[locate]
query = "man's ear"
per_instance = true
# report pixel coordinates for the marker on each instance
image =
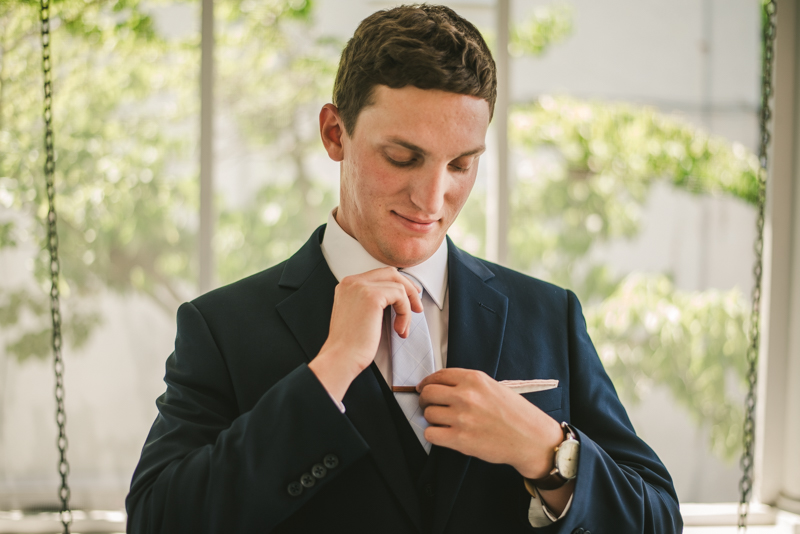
(331, 129)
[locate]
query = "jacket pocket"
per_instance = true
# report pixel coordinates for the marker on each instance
(547, 401)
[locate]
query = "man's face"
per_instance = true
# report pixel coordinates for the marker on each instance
(408, 170)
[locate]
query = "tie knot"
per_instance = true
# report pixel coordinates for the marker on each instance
(413, 279)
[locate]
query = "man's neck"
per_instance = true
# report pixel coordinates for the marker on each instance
(347, 257)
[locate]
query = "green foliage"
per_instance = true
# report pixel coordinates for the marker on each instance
(274, 75)
(125, 207)
(649, 333)
(590, 169)
(7, 235)
(124, 116)
(34, 340)
(268, 230)
(547, 26)
(639, 145)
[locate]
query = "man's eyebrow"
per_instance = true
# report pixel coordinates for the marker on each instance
(405, 144)
(477, 150)
(422, 151)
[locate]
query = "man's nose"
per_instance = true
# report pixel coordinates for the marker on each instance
(429, 189)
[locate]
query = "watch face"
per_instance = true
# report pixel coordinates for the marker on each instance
(567, 458)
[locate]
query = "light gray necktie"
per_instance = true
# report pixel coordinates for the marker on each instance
(412, 360)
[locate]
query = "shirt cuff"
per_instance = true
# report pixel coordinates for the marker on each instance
(539, 515)
(337, 403)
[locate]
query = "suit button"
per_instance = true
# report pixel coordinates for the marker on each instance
(295, 489)
(319, 471)
(578, 531)
(429, 490)
(307, 480)
(331, 461)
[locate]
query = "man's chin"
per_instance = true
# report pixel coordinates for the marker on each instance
(409, 254)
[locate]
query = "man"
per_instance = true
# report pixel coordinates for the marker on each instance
(291, 405)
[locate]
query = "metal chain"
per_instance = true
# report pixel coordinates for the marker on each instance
(55, 268)
(746, 483)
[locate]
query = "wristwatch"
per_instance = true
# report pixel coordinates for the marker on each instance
(565, 465)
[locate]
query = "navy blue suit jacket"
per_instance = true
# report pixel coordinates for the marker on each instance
(243, 417)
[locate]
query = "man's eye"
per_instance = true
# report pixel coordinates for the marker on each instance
(461, 166)
(397, 163)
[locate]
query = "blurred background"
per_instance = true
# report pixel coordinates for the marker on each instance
(631, 175)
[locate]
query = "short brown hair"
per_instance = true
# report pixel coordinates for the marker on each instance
(427, 46)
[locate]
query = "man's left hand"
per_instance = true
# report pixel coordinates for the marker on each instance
(475, 415)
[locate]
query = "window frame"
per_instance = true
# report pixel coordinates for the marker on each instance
(778, 407)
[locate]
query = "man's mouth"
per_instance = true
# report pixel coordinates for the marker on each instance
(415, 223)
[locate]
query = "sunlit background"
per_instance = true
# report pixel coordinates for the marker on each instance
(632, 127)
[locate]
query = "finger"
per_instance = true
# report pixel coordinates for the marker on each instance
(437, 394)
(397, 298)
(439, 415)
(402, 325)
(387, 273)
(403, 308)
(440, 435)
(392, 274)
(451, 376)
(413, 291)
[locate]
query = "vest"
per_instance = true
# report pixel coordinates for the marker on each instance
(421, 466)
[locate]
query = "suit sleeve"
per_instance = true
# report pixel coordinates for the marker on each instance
(206, 467)
(621, 485)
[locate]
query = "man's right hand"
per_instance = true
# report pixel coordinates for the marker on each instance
(356, 324)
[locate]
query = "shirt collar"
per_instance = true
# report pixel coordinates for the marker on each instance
(346, 257)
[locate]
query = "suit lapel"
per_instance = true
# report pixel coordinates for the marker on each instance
(307, 313)
(475, 336)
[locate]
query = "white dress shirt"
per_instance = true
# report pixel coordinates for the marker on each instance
(346, 257)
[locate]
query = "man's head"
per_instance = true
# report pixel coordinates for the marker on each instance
(426, 46)
(414, 96)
